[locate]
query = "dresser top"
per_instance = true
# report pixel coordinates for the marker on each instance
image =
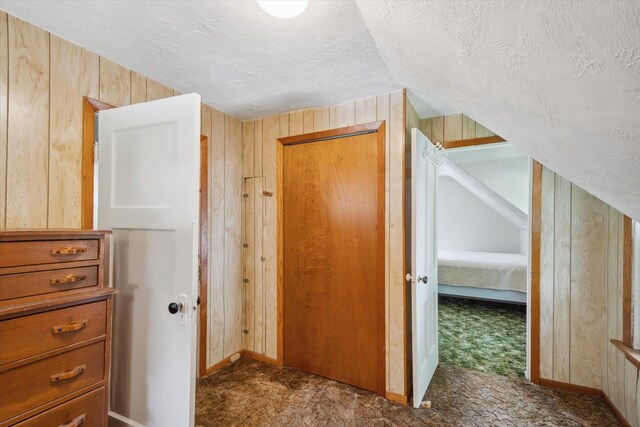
(50, 234)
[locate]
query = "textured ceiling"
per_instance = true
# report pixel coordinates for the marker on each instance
(558, 79)
(240, 59)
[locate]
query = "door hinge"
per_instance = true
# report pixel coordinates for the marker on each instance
(96, 151)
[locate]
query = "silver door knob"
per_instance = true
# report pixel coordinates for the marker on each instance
(423, 279)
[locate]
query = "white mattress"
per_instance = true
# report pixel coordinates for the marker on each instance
(483, 270)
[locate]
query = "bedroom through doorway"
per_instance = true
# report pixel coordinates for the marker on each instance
(483, 251)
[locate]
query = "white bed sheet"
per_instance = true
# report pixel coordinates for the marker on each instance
(483, 270)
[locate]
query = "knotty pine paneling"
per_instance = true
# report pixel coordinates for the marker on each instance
(562, 278)
(4, 84)
(28, 126)
(138, 88)
(157, 90)
(75, 73)
(40, 76)
(115, 83)
(232, 236)
(453, 127)
(262, 306)
(581, 294)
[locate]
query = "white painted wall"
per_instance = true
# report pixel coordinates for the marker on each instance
(503, 168)
(466, 223)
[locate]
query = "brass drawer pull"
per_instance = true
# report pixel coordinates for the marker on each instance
(60, 376)
(69, 278)
(68, 251)
(76, 421)
(73, 326)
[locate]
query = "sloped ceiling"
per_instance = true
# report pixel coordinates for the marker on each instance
(558, 79)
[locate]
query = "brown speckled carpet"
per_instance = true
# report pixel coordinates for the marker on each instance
(251, 393)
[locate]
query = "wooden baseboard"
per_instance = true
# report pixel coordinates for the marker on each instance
(571, 387)
(221, 364)
(587, 390)
(615, 411)
(395, 397)
(258, 356)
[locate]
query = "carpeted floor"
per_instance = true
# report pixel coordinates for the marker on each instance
(483, 336)
(251, 393)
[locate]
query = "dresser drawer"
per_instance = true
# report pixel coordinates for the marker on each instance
(44, 282)
(31, 335)
(89, 407)
(14, 254)
(37, 383)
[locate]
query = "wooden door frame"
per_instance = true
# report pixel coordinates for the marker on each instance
(536, 219)
(92, 106)
(375, 127)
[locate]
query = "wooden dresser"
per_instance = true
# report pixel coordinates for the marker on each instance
(55, 328)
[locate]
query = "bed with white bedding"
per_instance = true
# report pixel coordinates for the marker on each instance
(484, 275)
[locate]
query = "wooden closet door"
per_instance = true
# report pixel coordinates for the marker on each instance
(333, 259)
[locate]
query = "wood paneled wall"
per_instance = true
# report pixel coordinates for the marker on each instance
(581, 294)
(42, 81)
(259, 160)
(620, 378)
(453, 127)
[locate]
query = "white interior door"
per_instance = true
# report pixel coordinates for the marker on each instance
(148, 195)
(424, 263)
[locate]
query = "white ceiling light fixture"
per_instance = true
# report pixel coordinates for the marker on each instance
(283, 8)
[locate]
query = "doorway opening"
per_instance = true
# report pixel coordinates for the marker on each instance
(483, 206)
(475, 259)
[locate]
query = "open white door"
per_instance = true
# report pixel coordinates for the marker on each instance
(424, 263)
(148, 195)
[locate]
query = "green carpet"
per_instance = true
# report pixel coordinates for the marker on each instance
(483, 336)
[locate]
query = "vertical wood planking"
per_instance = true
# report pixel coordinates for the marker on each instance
(232, 237)
(259, 265)
(425, 127)
(248, 142)
(482, 132)
(546, 274)
(453, 127)
(271, 130)
(248, 267)
(345, 115)
(621, 359)
(205, 120)
(138, 88)
(28, 126)
(217, 259)
(257, 148)
(320, 119)
(562, 279)
(307, 120)
(74, 73)
(157, 90)
(396, 242)
(382, 113)
(468, 128)
(365, 110)
(588, 255)
(248, 231)
(115, 83)
(437, 129)
(630, 386)
(296, 123)
(611, 368)
(4, 81)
